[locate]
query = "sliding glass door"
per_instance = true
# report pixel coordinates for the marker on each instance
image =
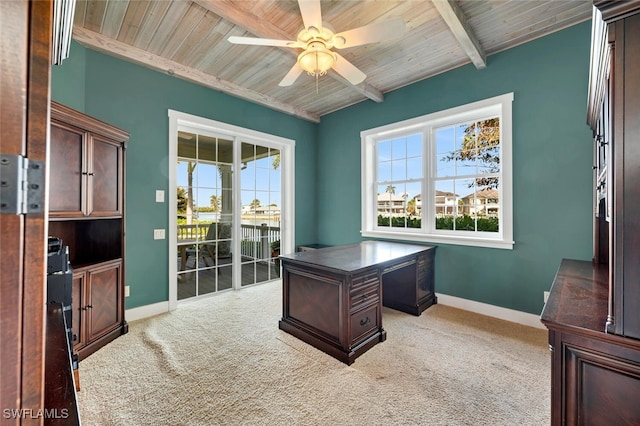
(231, 206)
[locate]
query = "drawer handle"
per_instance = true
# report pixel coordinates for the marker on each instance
(365, 321)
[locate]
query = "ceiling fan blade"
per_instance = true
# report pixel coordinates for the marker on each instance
(348, 70)
(264, 42)
(311, 13)
(291, 76)
(371, 33)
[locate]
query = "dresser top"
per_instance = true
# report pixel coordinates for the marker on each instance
(353, 257)
(578, 297)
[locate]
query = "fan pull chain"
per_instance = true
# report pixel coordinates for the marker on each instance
(317, 72)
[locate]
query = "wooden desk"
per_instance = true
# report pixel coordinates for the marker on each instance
(333, 297)
(307, 247)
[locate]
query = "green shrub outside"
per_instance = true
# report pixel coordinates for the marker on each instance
(462, 223)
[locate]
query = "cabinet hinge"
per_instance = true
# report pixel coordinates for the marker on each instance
(21, 185)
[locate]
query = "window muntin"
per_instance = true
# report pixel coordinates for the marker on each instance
(444, 177)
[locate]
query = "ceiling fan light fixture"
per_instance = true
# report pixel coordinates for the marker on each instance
(316, 60)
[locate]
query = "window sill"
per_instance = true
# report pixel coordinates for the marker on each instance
(441, 239)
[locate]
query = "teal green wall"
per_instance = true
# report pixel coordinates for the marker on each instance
(68, 79)
(552, 159)
(137, 99)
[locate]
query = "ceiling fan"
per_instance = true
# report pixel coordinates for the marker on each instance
(318, 41)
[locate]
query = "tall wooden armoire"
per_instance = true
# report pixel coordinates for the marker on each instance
(593, 310)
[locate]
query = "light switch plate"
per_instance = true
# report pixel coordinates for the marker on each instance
(159, 196)
(158, 234)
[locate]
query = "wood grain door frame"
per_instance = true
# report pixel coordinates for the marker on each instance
(25, 62)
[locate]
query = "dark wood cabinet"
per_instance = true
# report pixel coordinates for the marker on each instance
(86, 204)
(592, 312)
(595, 376)
(624, 39)
(91, 183)
(97, 292)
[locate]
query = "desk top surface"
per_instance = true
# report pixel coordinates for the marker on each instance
(353, 257)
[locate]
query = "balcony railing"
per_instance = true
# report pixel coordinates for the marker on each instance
(255, 240)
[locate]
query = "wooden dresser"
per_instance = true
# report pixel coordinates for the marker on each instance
(593, 309)
(595, 376)
(86, 210)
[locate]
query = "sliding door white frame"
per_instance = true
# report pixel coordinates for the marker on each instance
(182, 121)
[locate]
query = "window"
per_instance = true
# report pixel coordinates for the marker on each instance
(443, 177)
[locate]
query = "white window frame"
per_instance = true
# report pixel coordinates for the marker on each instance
(498, 106)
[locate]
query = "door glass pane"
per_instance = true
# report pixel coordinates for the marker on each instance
(261, 200)
(205, 214)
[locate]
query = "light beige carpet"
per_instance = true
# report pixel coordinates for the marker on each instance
(223, 360)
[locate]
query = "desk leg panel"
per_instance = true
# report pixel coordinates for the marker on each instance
(313, 304)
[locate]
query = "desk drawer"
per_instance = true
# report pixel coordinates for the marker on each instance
(365, 296)
(364, 322)
(364, 280)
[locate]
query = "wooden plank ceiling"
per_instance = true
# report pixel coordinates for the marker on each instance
(188, 39)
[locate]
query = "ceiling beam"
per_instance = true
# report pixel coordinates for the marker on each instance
(100, 43)
(457, 22)
(234, 13)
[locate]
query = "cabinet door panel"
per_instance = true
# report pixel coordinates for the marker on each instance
(602, 388)
(104, 295)
(66, 178)
(106, 172)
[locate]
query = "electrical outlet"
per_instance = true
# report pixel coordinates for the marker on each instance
(126, 291)
(159, 196)
(158, 234)
(546, 296)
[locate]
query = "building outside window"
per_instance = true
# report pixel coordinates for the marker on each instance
(443, 177)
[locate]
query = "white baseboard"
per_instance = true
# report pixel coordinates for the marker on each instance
(519, 317)
(146, 311)
(456, 302)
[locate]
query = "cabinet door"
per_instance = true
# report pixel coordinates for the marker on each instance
(105, 174)
(67, 180)
(105, 299)
(79, 309)
(602, 383)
